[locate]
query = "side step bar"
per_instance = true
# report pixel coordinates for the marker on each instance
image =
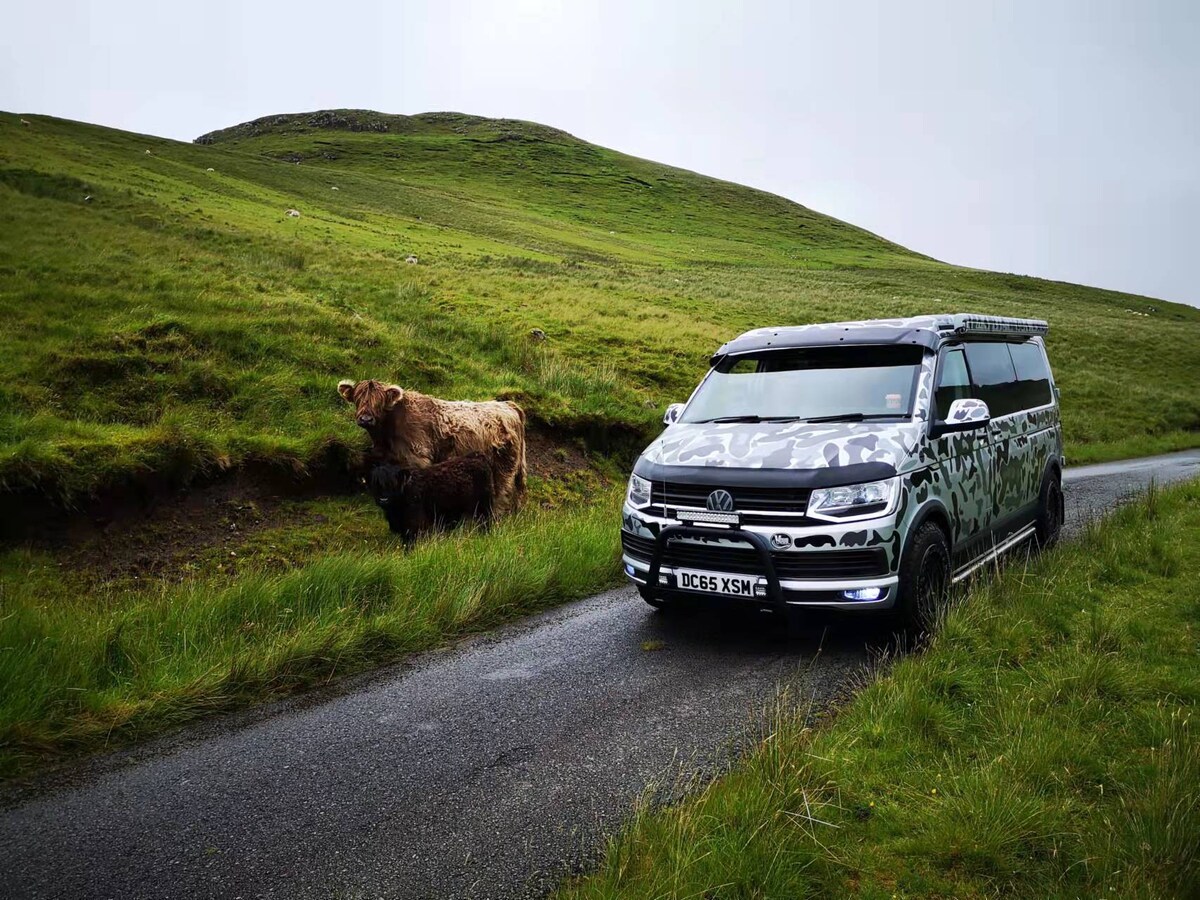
(1003, 547)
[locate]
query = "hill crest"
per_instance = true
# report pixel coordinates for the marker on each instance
(371, 121)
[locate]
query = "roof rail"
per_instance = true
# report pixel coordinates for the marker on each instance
(970, 323)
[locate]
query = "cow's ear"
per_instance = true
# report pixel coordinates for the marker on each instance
(392, 396)
(346, 389)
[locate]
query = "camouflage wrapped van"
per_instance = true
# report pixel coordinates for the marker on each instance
(858, 465)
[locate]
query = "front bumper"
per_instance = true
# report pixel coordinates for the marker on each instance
(770, 589)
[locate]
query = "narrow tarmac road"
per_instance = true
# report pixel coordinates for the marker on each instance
(489, 770)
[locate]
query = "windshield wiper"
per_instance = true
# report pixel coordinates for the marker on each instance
(841, 417)
(856, 417)
(721, 420)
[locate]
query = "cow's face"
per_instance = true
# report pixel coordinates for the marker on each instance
(372, 400)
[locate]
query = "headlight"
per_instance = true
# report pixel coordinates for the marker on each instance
(638, 494)
(854, 501)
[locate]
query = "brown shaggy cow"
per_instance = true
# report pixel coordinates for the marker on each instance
(440, 496)
(414, 431)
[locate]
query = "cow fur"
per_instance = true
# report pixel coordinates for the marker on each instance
(415, 431)
(443, 495)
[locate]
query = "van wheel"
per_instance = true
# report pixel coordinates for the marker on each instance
(924, 578)
(1051, 507)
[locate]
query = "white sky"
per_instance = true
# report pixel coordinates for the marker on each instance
(1059, 139)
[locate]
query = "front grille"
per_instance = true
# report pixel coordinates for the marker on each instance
(673, 493)
(865, 563)
(640, 547)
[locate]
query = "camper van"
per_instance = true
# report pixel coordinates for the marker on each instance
(855, 465)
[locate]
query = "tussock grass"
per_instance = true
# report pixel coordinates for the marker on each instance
(1043, 745)
(82, 670)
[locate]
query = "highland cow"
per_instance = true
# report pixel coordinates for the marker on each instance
(413, 431)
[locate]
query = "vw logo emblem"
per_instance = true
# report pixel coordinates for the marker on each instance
(720, 501)
(780, 541)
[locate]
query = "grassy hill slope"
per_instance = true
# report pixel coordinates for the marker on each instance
(164, 317)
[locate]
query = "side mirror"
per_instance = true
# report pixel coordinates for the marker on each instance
(674, 411)
(965, 415)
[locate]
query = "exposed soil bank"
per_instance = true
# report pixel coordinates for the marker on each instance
(153, 529)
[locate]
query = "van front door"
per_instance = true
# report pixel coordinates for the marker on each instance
(993, 379)
(967, 460)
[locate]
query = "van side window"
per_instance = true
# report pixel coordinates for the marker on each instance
(994, 377)
(953, 383)
(1033, 375)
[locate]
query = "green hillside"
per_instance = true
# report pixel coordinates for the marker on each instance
(542, 191)
(162, 319)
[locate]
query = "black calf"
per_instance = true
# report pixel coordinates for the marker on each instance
(441, 496)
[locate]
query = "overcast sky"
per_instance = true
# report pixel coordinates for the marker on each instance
(1059, 139)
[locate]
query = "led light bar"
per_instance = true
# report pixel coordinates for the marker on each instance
(707, 516)
(966, 323)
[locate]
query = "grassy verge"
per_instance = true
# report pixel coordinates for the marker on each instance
(1043, 746)
(83, 669)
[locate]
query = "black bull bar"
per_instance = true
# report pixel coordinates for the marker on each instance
(757, 541)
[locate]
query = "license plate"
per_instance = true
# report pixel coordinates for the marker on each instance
(715, 582)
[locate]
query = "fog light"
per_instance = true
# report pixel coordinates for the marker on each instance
(628, 569)
(863, 594)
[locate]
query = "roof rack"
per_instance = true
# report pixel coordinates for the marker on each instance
(924, 331)
(970, 323)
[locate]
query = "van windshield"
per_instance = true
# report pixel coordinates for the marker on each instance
(810, 384)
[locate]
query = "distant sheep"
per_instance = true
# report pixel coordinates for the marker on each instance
(411, 260)
(210, 169)
(334, 188)
(293, 213)
(24, 121)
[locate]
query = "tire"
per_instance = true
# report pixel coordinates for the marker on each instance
(924, 578)
(1051, 510)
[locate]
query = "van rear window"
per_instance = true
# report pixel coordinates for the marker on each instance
(1033, 375)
